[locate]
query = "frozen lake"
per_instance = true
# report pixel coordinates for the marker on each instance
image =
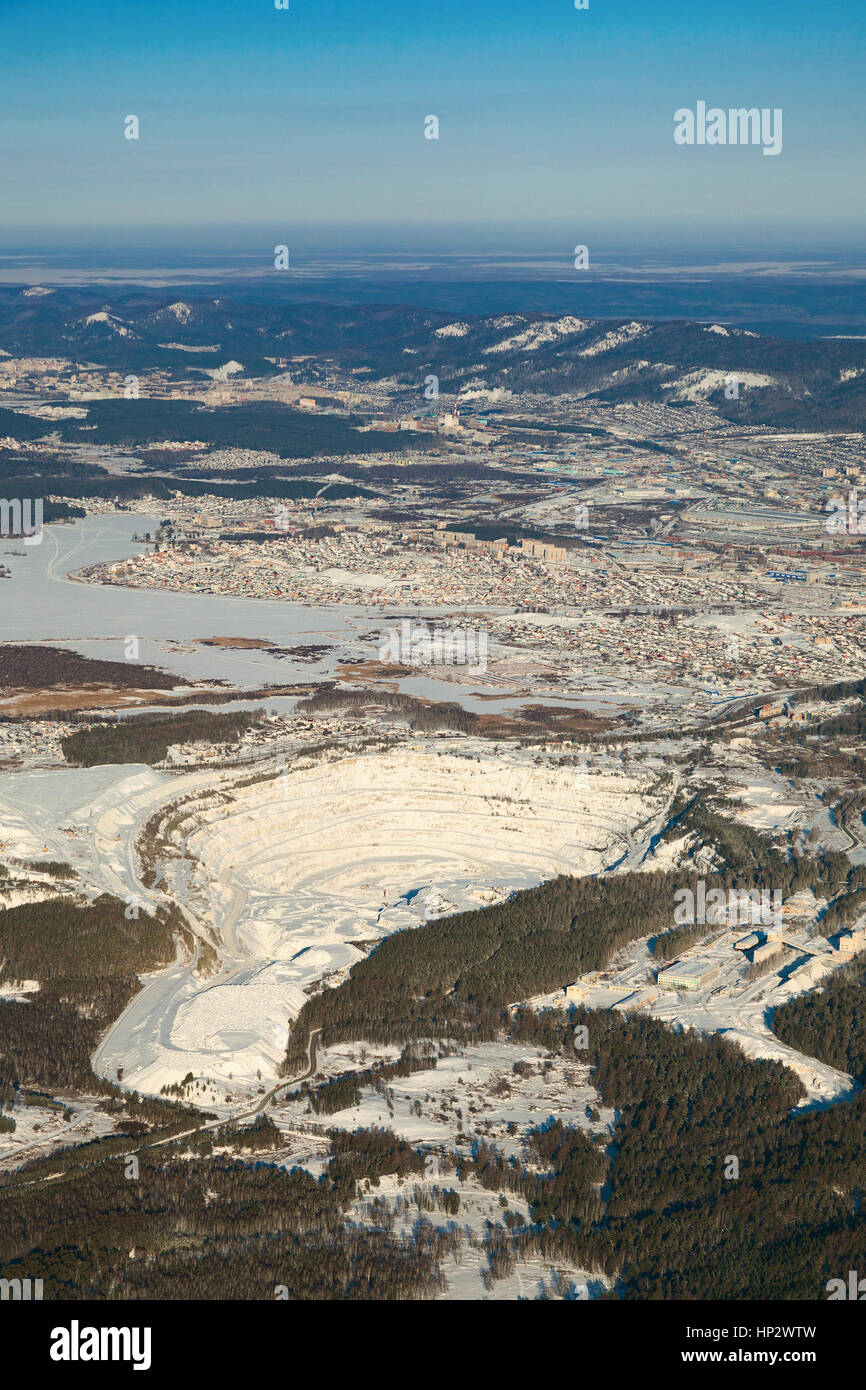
(43, 605)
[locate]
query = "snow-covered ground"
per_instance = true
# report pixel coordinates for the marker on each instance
(540, 335)
(298, 875)
(41, 1129)
(88, 818)
(291, 879)
(472, 1093)
(464, 1270)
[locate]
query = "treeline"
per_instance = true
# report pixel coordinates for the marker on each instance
(530, 722)
(847, 908)
(147, 738)
(41, 668)
(268, 426)
(679, 1219)
(851, 723)
(427, 718)
(560, 1179)
(127, 488)
(262, 1134)
(160, 1120)
(87, 961)
(344, 1090)
(829, 1023)
(132, 488)
(55, 868)
(369, 1154)
(209, 1228)
(750, 860)
(48, 1042)
(69, 948)
(15, 463)
(816, 760)
(672, 943)
(832, 690)
(196, 697)
(12, 485)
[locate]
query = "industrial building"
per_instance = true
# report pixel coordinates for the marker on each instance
(850, 943)
(748, 943)
(767, 952)
(689, 974)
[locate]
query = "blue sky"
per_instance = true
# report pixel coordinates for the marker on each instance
(553, 122)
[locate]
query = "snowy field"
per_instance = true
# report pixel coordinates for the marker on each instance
(472, 1093)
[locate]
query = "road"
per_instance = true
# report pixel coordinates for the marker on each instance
(223, 1123)
(236, 1119)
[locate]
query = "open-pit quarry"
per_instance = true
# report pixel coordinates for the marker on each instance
(293, 877)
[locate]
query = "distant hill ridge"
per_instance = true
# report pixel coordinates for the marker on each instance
(818, 384)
